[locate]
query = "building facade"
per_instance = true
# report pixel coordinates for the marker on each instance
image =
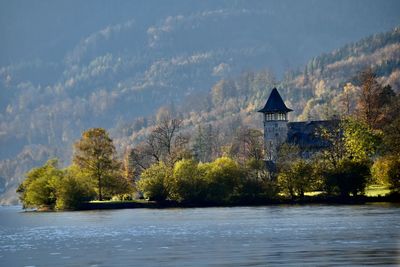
(278, 130)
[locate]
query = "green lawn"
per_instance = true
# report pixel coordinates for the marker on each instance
(376, 190)
(370, 191)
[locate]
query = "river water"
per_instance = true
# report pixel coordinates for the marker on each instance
(311, 235)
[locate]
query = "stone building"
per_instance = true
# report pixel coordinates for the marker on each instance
(278, 130)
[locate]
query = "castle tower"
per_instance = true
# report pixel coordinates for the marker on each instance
(275, 124)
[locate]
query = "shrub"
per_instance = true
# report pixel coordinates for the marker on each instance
(296, 179)
(72, 192)
(223, 177)
(348, 177)
(153, 182)
(39, 187)
(187, 182)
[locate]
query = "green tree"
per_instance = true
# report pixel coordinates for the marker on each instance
(391, 137)
(379, 170)
(153, 181)
(296, 179)
(95, 154)
(348, 177)
(223, 177)
(336, 149)
(394, 175)
(360, 141)
(187, 182)
(39, 189)
(74, 189)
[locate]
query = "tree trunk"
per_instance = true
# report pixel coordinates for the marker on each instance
(99, 185)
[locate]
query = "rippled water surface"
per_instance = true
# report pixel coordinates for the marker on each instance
(247, 236)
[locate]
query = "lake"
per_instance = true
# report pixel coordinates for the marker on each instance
(296, 235)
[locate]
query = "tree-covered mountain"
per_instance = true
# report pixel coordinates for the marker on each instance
(113, 65)
(315, 92)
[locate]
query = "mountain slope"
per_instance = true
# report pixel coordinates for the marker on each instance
(109, 65)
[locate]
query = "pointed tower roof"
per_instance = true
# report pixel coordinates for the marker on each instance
(275, 103)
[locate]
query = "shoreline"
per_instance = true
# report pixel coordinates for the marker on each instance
(308, 200)
(361, 200)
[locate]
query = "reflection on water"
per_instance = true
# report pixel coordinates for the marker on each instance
(249, 236)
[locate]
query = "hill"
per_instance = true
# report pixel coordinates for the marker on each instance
(118, 68)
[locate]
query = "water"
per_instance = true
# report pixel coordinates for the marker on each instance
(248, 236)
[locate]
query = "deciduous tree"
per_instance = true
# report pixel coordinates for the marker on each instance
(95, 154)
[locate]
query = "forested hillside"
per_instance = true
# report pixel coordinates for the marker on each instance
(315, 92)
(211, 64)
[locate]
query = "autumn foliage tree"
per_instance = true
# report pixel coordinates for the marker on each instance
(374, 100)
(95, 154)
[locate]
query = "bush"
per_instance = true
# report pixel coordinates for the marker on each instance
(223, 177)
(348, 177)
(40, 186)
(187, 182)
(153, 182)
(72, 192)
(296, 179)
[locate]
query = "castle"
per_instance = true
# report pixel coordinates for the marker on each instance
(278, 130)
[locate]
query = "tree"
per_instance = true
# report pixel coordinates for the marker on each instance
(223, 177)
(360, 141)
(141, 157)
(347, 177)
(39, 189)
(128, 166)
(287, 153)
(248, 144)
(165, 143)
(153, 182)
(187, 183)
(348, 98)
(335, 150)
(296, 179)
(394, 176)
(203, 142)
(223, 90)
(391, 137)
(374, 100)
(51, 188)
(74, 189)
(95, 154)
